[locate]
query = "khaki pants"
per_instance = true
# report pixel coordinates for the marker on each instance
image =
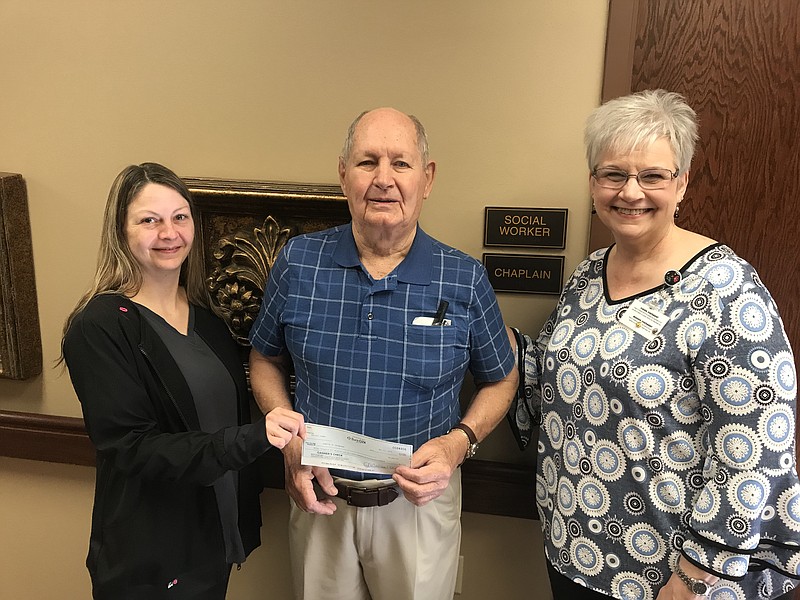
(393, 552)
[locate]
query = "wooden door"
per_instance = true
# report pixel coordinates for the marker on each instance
(737, 62)
(738, 65)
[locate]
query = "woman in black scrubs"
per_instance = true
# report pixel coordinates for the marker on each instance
(166, 405)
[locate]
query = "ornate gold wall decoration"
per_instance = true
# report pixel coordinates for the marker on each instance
(243, 226)
(243, 263)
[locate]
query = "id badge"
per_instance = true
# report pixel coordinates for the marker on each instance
(644, 320)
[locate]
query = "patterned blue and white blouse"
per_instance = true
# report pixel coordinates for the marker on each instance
(679, 443)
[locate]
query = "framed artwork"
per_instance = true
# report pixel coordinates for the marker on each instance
(243, 226)
(20, 336)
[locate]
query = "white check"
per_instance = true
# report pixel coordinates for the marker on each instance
(336, 448)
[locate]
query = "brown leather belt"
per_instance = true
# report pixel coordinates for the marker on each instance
(364, 497)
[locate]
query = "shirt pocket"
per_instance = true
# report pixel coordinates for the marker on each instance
(431, 354)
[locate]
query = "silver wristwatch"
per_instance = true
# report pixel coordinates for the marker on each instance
(696, 586)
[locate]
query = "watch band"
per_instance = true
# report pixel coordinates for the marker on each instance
(697, 586)
(472, 439)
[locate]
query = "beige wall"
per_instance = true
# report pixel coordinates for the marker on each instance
(259, 89)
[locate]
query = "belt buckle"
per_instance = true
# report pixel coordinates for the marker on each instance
(355, 492)
(364, 497)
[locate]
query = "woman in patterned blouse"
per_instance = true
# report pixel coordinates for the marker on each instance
(666, 388)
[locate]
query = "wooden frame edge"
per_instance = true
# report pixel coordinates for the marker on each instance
(620, 47)
(20, 333)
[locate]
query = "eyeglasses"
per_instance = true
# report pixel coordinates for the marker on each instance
(649, 179)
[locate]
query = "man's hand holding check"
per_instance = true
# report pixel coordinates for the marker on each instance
(422, 476)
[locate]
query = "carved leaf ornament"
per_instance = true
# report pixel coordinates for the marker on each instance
(242, 266)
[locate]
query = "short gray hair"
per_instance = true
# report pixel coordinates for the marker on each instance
(624, 124)
(422, 137)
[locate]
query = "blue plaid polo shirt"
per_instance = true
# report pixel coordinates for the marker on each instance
(360, 362)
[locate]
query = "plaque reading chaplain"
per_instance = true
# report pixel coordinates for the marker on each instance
(526, 227)
(525, 273)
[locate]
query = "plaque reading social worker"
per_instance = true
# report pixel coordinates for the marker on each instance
(525, 273)
(526, 227)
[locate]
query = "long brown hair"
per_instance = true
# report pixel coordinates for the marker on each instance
(117, 270)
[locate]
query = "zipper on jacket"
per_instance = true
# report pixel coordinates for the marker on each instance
(166, 389)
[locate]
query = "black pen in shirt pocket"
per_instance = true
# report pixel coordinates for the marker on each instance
(438, 319)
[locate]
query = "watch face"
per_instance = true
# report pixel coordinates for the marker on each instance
(700, 588)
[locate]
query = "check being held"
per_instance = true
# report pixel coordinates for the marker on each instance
(336, 448)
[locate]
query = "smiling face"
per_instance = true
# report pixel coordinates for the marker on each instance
(634, 214)
(159, 230)
(384, 177)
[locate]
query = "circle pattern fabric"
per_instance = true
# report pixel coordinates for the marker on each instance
(681, 443)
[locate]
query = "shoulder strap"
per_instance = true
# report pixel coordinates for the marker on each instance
(521, 432)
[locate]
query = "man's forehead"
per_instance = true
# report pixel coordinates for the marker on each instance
(386, 114)
(388, 122)
(385, 132)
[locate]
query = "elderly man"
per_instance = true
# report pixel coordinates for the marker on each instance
(381, 322)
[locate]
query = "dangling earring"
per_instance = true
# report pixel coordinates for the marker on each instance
(677, 209)
(594, 209)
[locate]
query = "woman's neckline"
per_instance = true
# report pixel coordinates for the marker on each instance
(682, 270)
(161, 319)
